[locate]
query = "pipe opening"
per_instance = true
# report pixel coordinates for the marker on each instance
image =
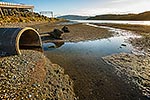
(30, 40)
(13, 40)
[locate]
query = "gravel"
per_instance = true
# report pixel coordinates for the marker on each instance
(32, 76)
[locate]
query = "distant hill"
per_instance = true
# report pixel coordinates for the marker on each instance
(140, 16)
(73, 17)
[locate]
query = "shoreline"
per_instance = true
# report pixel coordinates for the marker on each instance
(81, 32)
(134, 68)
(135, 65)
(139, 29)
(78, 32)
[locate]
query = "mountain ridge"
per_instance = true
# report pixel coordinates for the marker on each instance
(145, 16)
(74, 17)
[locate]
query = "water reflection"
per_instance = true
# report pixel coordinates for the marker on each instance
(58, 44)
(53, 45)
(102, 47)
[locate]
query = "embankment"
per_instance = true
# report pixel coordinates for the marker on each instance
(32, 76)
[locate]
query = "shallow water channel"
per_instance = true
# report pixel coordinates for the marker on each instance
(93, 78)
(102, 47)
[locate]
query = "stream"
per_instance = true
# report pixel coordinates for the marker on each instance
(101, 47)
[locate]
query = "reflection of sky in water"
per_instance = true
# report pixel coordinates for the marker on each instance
(97, 47)
(101, 47)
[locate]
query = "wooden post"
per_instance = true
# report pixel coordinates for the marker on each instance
(52, 14)
(1, 12)
(32, 11)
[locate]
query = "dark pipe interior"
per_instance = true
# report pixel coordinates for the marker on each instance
(30, 40)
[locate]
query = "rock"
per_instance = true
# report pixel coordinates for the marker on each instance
(123, 45)
(56, 33)
(65, 29)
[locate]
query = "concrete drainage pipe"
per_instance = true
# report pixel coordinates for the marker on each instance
(12, 40)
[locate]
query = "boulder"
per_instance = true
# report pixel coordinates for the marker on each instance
(56, 33)
(65, 29)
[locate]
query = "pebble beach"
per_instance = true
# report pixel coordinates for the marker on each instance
(32, 76)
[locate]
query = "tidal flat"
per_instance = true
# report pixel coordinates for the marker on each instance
(83, 61)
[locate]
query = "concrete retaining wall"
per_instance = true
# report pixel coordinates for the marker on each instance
(12, 40)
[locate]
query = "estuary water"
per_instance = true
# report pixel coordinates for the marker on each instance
(113, 21)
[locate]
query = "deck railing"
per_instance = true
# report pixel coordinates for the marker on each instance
(14, 5)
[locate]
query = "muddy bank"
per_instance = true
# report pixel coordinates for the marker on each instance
(136, 28)
(82, 32)
(32, 76)
(93, 78)
(78, 32)
(134, 66)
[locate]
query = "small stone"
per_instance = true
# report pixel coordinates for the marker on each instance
(123, 45)
(29, 95)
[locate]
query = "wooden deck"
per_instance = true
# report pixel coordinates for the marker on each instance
(13, 5)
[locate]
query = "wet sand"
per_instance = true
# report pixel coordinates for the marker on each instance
(94, 80)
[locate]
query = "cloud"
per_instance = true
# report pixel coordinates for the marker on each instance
(111, 7)
(127, 6)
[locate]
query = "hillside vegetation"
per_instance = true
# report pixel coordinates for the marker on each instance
(145, 16)
(25, 16)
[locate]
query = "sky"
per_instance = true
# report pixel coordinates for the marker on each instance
(87, 7)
